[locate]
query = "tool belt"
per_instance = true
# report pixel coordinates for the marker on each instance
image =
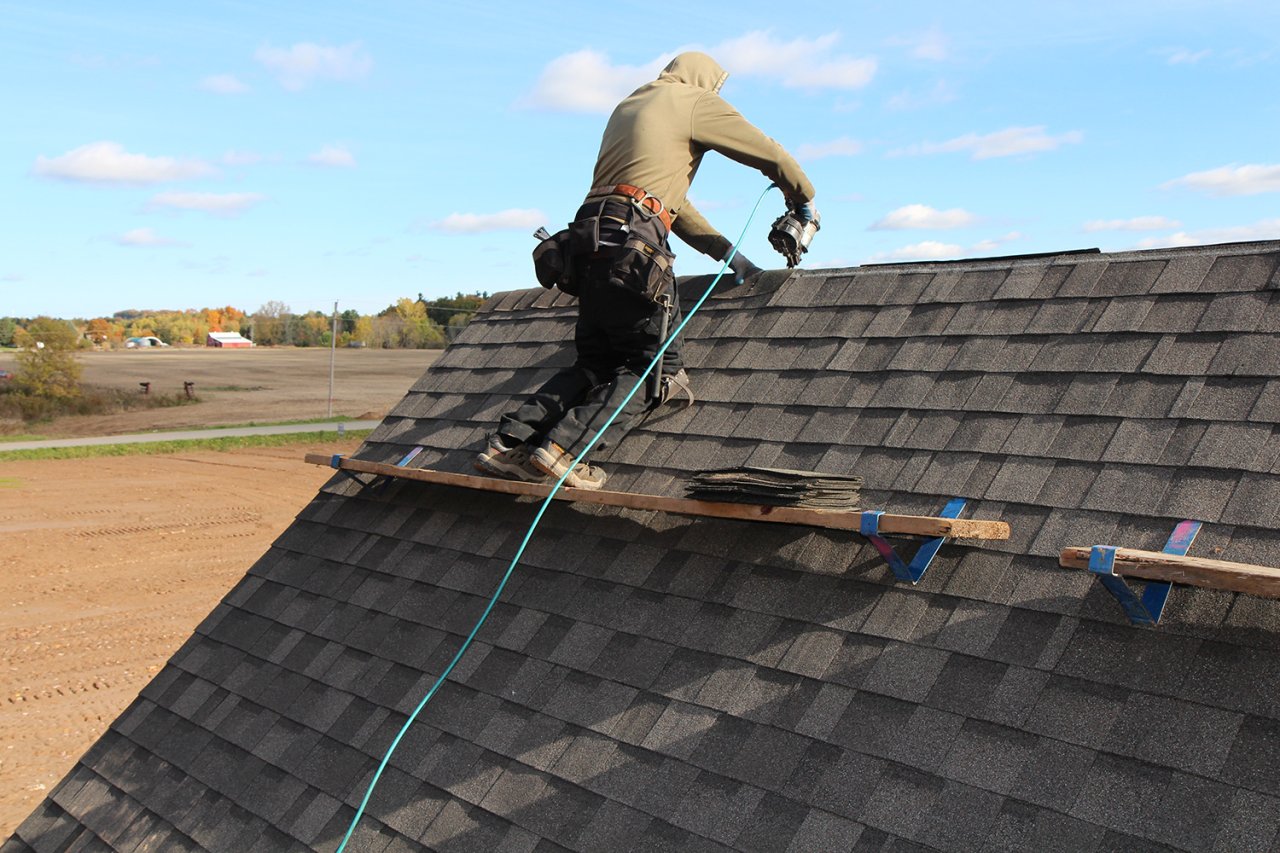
(639, 197)
(630, 233)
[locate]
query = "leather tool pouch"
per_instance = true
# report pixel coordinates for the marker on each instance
(551, 263)
(643, 268)
(634, 241)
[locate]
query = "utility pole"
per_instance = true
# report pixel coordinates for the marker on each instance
(333, 349)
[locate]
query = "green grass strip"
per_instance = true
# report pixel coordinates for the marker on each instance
(10, 483)
(303, 421)
(153, 448)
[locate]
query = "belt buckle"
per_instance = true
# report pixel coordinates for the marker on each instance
(649, 205)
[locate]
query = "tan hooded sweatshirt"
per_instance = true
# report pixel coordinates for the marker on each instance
(656, 137)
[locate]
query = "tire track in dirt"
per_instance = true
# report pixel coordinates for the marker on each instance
(134, 553)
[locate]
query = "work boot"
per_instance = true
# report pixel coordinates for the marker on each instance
(553, 460)
(511, 462)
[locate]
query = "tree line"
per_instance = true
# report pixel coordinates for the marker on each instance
(408, 324)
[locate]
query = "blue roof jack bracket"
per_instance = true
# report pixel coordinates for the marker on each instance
(1147, 609)
(409, 457)
(910, 572)
(378, 481)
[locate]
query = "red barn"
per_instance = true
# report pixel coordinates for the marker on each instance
(232, 340)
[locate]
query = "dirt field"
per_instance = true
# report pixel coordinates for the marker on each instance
(237, 386)
(108, 564)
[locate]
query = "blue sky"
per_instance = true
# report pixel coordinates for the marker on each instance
(161, 155)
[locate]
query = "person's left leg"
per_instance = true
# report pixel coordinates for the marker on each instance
(633, 325)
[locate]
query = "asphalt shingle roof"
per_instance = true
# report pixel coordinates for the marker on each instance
(657, 682)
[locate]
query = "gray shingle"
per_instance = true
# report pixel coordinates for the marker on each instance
(1021, 826)
(1234, 312)
(825, 831)
(903, 801)
(962, 819)
(1124, 314)
(1082, 278)
(1127, 488)
(1255, 500)
(1139, 440)
(1128, 278)
(1254, 753)
(1023, 281)
(1169, 732)
(989, 756)
(1240, 272)
(1176, 313)
(1226, 445)
(1033, 435)
(1125, 353)
(1113, 654)
(1121, 793)
(1251, 823)
(1009, 318)
(905, 671)
(1184, 273)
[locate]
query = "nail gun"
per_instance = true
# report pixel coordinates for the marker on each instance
(791, 234)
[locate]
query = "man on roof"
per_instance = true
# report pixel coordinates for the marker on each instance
(616, 259)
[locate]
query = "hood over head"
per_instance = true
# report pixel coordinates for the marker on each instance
(696, 69)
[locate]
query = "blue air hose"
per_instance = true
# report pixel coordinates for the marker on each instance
(538, 518)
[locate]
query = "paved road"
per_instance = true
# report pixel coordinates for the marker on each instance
(141, 438)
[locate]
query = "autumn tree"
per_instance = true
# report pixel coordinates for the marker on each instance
(100, 330)
(47, 365)
(271, 323)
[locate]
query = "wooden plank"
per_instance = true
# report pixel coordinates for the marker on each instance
(916, 525)
(1196, 571)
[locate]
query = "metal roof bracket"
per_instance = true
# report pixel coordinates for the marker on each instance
(910, 572)
(378, 480)
(1147, 609)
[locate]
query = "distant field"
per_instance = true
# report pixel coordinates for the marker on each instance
(239, 386)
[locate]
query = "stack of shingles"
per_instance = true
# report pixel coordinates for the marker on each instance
(777, 487)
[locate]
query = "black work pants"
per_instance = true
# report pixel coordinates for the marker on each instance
(618, 333)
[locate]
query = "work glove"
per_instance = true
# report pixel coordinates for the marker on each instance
(743, 269)
(807, 211)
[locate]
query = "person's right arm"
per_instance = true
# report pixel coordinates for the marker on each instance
(719, 127)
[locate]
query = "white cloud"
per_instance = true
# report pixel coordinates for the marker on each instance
(108, 163)
(929, 250)
(985, 246)
(241, 158)
(145, 238)
(921, 216)
(220, 204)
(842, 147)
(223, 84)
(799, 63)
(933, 250)
(1002, 143)
(1182, 56)
(942, 92)
(1250, 179)
(932, 45)
(11, 276)
(1137, 223)
(588, 81)
(333, 156)
(298, 66)
(1266, 229)
(514, 219)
